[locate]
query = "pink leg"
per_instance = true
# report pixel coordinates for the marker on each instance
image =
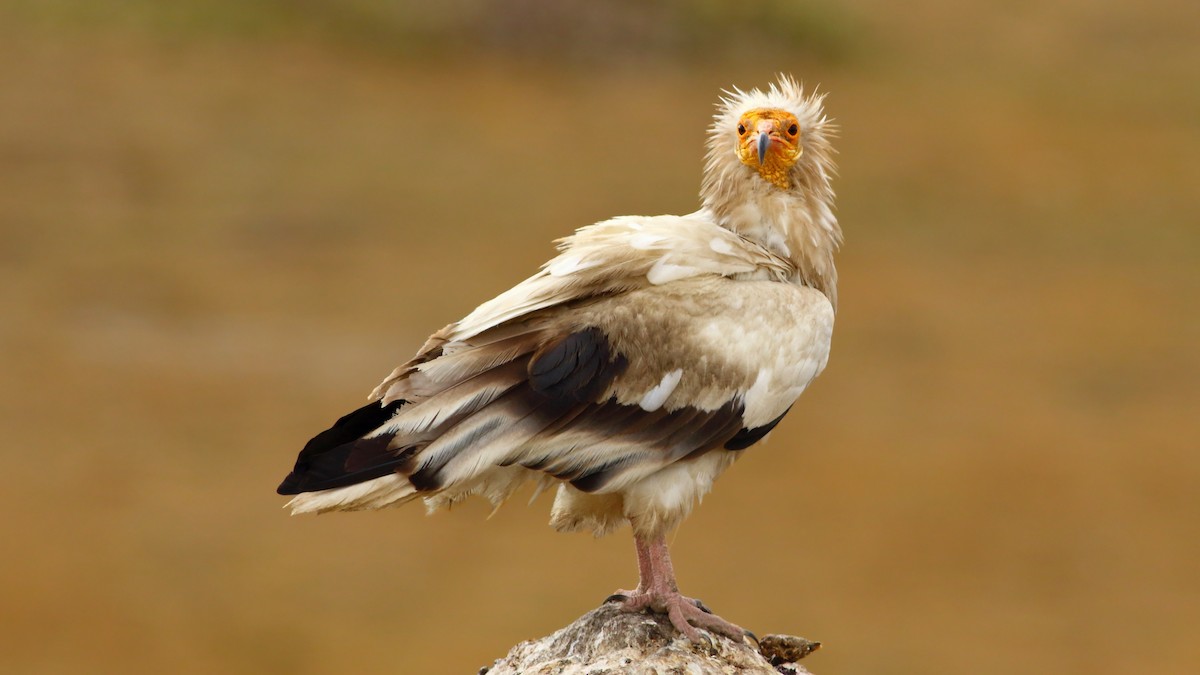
(658, 592)
(645, 571)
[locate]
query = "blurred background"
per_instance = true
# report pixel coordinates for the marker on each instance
(223, 222)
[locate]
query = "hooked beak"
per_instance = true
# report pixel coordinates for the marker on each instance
(764, 140)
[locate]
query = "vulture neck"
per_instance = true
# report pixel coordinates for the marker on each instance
(796, 224)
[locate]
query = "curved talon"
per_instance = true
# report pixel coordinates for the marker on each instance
(616, 597)
(710, 642)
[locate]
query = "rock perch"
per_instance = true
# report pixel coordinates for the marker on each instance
(608, 641)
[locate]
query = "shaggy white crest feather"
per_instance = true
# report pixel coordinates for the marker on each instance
(796, 224)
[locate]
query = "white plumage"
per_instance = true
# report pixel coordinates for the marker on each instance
(632, 369)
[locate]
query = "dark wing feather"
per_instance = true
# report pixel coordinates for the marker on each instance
(577, 368)
(748, 437)
(340, 456)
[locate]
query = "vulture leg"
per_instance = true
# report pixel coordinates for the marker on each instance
(658, 592)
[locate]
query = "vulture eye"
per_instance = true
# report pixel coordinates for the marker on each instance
(792, 130)
(741, 129)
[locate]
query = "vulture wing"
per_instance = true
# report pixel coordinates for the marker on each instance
(644, 343)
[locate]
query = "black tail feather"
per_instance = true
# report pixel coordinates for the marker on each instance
(340, 456)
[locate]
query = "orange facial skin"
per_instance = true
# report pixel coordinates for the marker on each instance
(769, 141)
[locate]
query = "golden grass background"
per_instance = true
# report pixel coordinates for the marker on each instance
(222, 223)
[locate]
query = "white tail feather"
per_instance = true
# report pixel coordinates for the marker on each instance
(390, 490)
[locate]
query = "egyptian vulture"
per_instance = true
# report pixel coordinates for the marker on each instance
(632, 369)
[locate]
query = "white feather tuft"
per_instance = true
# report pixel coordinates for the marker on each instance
(656, 397)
